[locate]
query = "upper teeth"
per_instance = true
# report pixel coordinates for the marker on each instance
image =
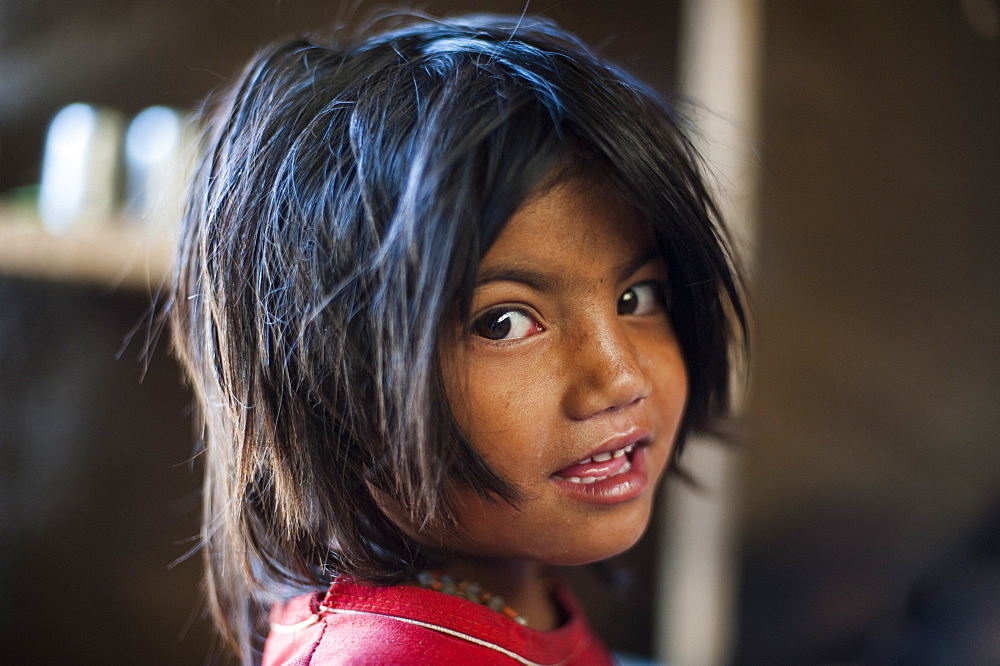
(602, 457)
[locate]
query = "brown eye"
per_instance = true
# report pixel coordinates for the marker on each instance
(642, 299)
(505, 324)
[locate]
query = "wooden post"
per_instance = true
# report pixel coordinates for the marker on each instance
(696, 623)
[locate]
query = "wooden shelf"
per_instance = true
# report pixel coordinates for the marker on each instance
(113, 255)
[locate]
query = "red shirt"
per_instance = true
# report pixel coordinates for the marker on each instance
(361, 624)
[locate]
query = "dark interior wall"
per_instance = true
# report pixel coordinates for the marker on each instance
(873, 478)
(97, 488)
(129, 54)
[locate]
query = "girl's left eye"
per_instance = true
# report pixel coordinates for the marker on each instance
(505, 324)
(645, 298)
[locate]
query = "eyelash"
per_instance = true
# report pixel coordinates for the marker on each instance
(489, 322)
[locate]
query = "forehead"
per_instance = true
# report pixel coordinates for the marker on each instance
(572, 221)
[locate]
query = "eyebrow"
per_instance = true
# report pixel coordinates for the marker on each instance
(628, 268)
(548, 282)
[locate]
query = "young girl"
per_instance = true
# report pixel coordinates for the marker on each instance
(450, 299)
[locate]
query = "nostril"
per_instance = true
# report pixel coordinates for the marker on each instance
(626, 405)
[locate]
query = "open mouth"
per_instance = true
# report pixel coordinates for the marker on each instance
(599, 467)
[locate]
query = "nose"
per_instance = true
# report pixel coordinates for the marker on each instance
(606, 371)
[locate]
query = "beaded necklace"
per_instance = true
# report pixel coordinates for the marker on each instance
(435, 580)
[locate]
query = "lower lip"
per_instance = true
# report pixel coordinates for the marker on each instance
(614, 489)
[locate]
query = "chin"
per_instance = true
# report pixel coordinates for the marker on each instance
(589, 549)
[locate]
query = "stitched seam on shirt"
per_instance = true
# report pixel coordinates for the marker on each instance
(423, 610)
(319, 639)
(453, 633)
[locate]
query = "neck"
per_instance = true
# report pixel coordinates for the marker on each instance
(521, 583)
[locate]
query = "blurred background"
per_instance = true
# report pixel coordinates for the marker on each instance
(864, 510)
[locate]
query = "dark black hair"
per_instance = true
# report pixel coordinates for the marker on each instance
(345, 198)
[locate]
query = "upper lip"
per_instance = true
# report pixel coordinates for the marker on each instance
(635, 435)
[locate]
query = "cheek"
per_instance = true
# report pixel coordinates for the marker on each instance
(669, 378)
(502, 406)
(670, 382)
(664, 364)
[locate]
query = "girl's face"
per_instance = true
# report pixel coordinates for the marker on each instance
(568, 379)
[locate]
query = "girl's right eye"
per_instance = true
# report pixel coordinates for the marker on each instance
(505, 324)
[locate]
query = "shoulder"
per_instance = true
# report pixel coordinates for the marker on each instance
(306, 633)
(365, 625)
